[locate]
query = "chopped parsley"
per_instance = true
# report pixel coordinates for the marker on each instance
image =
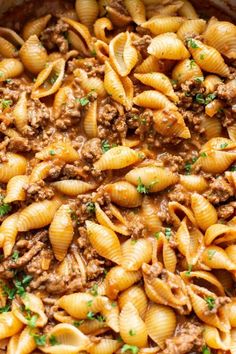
(113, 304)
(203, 154)
(206, 350)
(157, 235)
(192, 63)
(132, 332)
(210, 302)
(32, 320)
(211, 254)
(188, 165)
(205, 100)
(6, 103)
(188, 272)
(89, 303)
(223, 146)
(233, 169)
(199, 79)
(90, 315)
(53, 340)
(94, 290)
(192, 43)
(100, 318)
(168, 232)
(200, 98)
(132, 348)
(19, 287)
(5, 308)
(84, 101)
(78, 323)
(133, 242)
(52, 152)
(1, 74)
(15, 255)
(8, 81)
(40, 340)
(141, 188)
(4, 209)
(105, 146)
(90, 207)
(210, 97)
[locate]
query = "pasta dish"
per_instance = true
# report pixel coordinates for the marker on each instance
(118, 178)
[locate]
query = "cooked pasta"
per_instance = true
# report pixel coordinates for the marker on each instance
(117, 173)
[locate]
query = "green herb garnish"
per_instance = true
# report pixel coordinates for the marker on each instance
(223, 146)
(203, 154)
(52, 152)
(132, 348)
(206, 350)
(90, 207)
(168, 232)
(53, 340)
(5, 308)
(188, 272)
(200, 98)
(40, 340)
(94, 290)
(90, 315)
(105, 146)
(210, 302)
(132, 332)
(15, 255)
(192, 43)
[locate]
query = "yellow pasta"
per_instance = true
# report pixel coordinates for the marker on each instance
(203, 210)
(150, 64)
(102, 50)
(170, 123)
(61, 232)
(124, 194)
(216, 339)
(135, 253)
(105, 241)
(83, 37)
(194, 183)
(22, 343)
(153, 99)
(104, 220)
(153, 178)
(89, 84)
(16, 188)
(212, 127)
(38, 214)
(187, 10)
(87, 11)
(116, 158)
(9, 229)
(132, 328)
(35, 27)
(159, 25)
(90, 121)
(211, 82)
(186, 70)
(105, 346)
(136, 10)
(150, 216)
(10, 68)
(161, 322)
(178, 212)
(14, 166)
(7, 49)
(101, 26)
(61, 97)
(191, 28)
(137, 297)
(216, 258)
(20, 114)
(33, 55)
(73, 187)
(9, 325)
(208, 58)
(160, 82)
(40, 171)
(168, 46)
(58, 150)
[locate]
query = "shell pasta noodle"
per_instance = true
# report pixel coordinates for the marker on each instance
(117, 177)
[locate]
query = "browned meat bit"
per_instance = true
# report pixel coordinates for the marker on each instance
(55, 36)
(39, 191)
(94, 268)
(120, 126)
(41, 261)
(173, 162)
(19, 144)
(188, 337)
(163, 212)
(142, 43)
(226, 211)
(179, 194)
(228, 117)
(227, 91)
(91, 150)
(216, 304)
(38, 113)
(71, 171)
(106, 112)
(219, 191)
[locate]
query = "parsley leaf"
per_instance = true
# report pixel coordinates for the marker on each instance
(53, 340)
(210, 97)
(52, 152)
(94, 290)
(4, 207)
(203, 154)
(100, 318)
(53, 79)
(188, 272)
(223, 146)
(89, 303)
(192, 63)
(40, 340)
(93, 53)
(90, 207)
(132, 348)
(15, 255)
(6, 103)
(168, 232)
(5, 308)
(200, 98)
(199, 79)
(83, 101)
(206, 350)
(32, 320)
(202, 56)
(78, 323)
(157, 235)
(141, 187)
(210, 302)
(233, 169)
(105, 146)
(192, 43)
(132, 332)
(90, 315)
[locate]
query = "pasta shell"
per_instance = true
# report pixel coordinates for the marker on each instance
(186, 70)
(76, 304)
(136, 10)
(216, 258)
(22, 343)
(105, 346)
(34, 304)
(7, 49)
(117, 18)
(150, 215)
(73, 187)
(176, 209)
(215, 161)
(191, 28)
(49, 79)
(133, 330)
(154, 178)
(153, 99)
(116, 158)
(15, 189)
(90, 121)
(70, 339)
(87, 11)
(221, 35)
(160, 25)
(153, 9)
(15, 165)
(105, 241)
(61, 232)
(61, 97)
(212, 127)
(171, 123)
(35, 26)
(11, 36)
(194, 183)
(119, 88)
(161, 322)
(150, 64)
(38, 214)
(60, 150)
(33, 55)
(124, 194)
(211, 82)
(89, 84)
(10, 68)
(216, 230)
(232, 132)
(101, 26)
(20, 114)
(78, 44)
(8, 228)
(187, 10)
(203, 210)
(168, 46)
(230, 251)
(232, 313)
(135, 253)
(119, 279)
(136, 295)
(160, 82)
(213, 107)
(208, 58)
(40, 171)
(216, 340)
(81, 31)
(104, 220)
(9, 325)
(102, 50)
(123, 56)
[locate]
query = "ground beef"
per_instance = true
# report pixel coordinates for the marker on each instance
(19, 144)
(219, 191)
(94, 268)
(107, 112)
(174, 163)
(218, 303)
(179, 194)
(142, 43)
(91, 150)
(226, 211)
(187, 338)
(35, 266)
(163, 212)
(227, 91)
(55, 37)
(39, 191)
(38, 114)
